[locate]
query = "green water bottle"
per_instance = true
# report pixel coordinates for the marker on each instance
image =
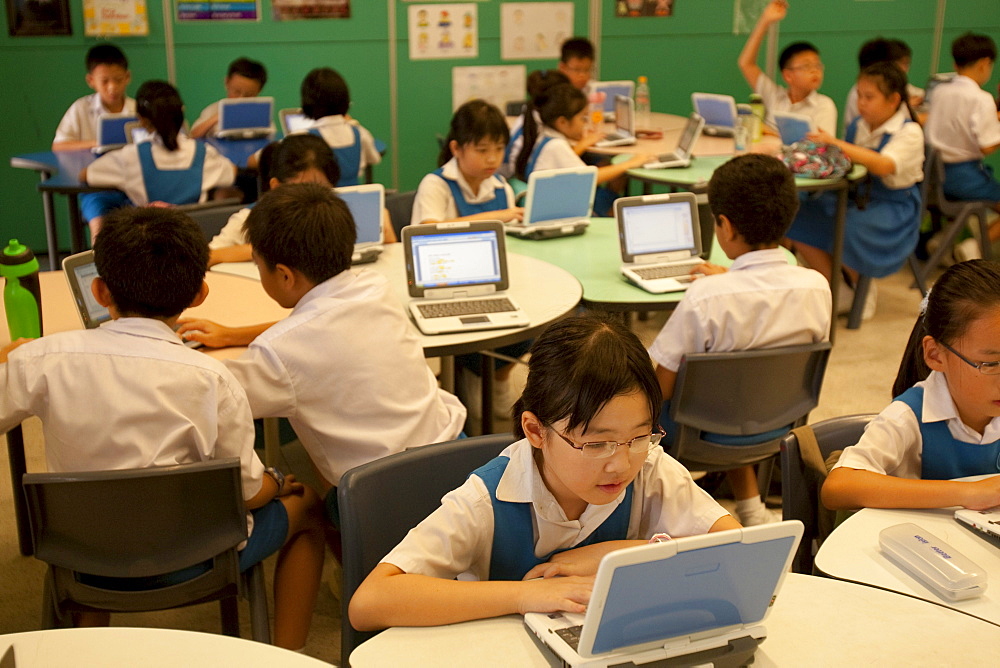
(22, 297)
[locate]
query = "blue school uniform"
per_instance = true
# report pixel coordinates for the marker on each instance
(465, 208)
(176, 186)
(970, 180)
(348, 158)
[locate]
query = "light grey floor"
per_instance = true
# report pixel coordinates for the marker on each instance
(862, 368)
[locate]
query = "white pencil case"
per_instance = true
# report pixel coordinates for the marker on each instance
(939, 566)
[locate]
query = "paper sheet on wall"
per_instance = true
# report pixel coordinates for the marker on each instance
(443, 31)
(534, 30)
(497, 84)
(115, 17)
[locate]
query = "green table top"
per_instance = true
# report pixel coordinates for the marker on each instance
(696, 176)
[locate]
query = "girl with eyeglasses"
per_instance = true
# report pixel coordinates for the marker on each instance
(587, 477)
(945, 420)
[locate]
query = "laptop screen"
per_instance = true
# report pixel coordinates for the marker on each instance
(658, 228)
(689, 137)
(558, 196)
(612, 89)
(458, 258)
(623, 115)
(366, 209)
(245, 114)
(716, 111)
(296, 122)
(112, 130)
(84, 275)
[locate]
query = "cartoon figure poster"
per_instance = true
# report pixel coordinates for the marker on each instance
(633, 8)
(497, 84)
(534, 30)
(443, 31)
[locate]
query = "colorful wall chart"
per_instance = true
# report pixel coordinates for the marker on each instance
(443, 31)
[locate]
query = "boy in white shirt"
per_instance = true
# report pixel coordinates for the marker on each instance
(245, 78)
(108, 76)
(760, 302)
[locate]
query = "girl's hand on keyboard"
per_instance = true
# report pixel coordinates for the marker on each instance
(708, 269)
(570, 594)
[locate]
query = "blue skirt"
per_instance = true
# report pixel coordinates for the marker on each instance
(970, 180)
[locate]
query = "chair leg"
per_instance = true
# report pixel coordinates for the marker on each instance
(918, 276)
(858, 306)
(765, 471)
(260, 624)
(51, 617)
(229, 609)
(985, 245)
(946, 245)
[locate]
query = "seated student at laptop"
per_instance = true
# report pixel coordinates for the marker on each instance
(131, 395)
(344, 367)
(587, 477)
(761, 302)
(944, 422)
(170, 169)
(245, 78)
(563, 112)
(108, 75)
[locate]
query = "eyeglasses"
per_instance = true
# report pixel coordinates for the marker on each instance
(602, 449)
(985, 368)
(809, 67)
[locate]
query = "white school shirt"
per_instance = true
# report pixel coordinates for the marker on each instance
(337, 132)
(128, 394)
(79, 123)
(851, 106)
(905, 147)
(434, 199)
(347, 370)
(557, 153)
(458, 537)
(892, 444)
(232, 232)
(962, 120)
(816, 106)
(761, 302)
(121, 169)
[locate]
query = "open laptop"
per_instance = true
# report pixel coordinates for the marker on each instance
(245, 117)
(293, 120)
(611, 90)
(719, 112)
(986, 521)
(660, 240)
(703, 598)
(624, 133)
(80, 272)
(681, 156)
(111, 132)
(366, 203)
(793, 127)
(136, 134)
(457, 276)
(558, 203)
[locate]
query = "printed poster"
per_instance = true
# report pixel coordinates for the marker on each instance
(534, 30)
(633, 8)
(292, 10)
(249, 10)
(443, 31)
(115, 17)
(497, 84)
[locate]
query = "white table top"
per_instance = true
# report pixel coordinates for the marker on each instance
(851, 553)
(114, 647)
(815, 622)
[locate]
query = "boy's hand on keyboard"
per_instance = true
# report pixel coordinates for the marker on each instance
(555, 595)
(206, 332)
(579, 561)
(708, 269)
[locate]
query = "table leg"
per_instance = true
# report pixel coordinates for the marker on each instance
(18, 467)
(448, 380)
(839, 223)
(75, 224)
(486, 369)
(51, 234)
(272, 442)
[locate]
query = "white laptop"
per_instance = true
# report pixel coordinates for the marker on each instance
(457, 276)
(611, 90)
(699, 599)
(366, 203)
(245, 117)
(293, 120)
(660, 240)
(136, 134)
(111, 132)
(80, 272)
(624, 133)
(558, 203)
(681, 156)
(986, 521)
(793, 127)
(719, 112)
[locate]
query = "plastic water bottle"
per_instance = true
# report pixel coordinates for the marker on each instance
(642, 106)
(22, 297)
(742, 136)
(757, 106)
(596, 101)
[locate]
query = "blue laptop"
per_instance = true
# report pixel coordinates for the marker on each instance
(719, 112)
(366, 203)
(558, 203)
(245, 117)
(111, 132)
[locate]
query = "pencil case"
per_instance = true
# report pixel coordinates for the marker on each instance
(937, 565)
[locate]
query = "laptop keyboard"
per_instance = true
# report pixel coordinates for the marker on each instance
(571, 636)
(446, 309)
(663, 271)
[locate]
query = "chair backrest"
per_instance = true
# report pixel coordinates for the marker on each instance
(800, 485)
(400, 207)
(931, 178)
(382, 500)
(212, 216)
(515, 107)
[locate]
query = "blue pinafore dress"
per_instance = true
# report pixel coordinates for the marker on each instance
(348, 158)
(174, 186)
(498, 203)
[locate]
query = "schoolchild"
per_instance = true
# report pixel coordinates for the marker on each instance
(880, 50)
(576, 61)
(244, 78)
(108, 75)
(170, 168)
(131, 395)
(944, 422)
(762, 301)
(586, 477)
(538, 82)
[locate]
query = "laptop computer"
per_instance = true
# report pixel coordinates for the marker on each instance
(80, 272)
(245, 117)
(793, 127)
(293, 120)
(681, 156)
(660, 240)
(558, 203)
(111, 132)
(987, 522)
(719, 112)
(702, 598)
(457, 275)
(624, 134)
(366, 203)
(611, 90)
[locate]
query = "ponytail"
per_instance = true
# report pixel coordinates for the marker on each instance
(160, 104)
(562, 100)
(473, 122)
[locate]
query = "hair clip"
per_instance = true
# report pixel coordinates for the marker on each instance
(924, 302)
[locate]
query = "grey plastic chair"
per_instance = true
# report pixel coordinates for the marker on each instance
(800, 485)
(400, 207)
(94, 526)
(212, 216)
(382, 500)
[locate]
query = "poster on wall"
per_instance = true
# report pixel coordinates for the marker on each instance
(36, 18)
(534, 30)
(497, 84)
(115, 17)
(248, 10)
(443, 31)
(293, 10)
(633, 8)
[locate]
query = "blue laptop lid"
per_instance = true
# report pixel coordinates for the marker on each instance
(112, 130)
(610, 90)
(365, 203)
(717, 110)
(792, 127)
(245, 114)
(557, 194)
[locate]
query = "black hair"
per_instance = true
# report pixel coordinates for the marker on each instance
(889, 78)
(793, 50)
(473, 122)
(251, 69)
(578, 365)
(297, 153)
(970, 47)
(305, 227)
(153, 260)
(540, 81)
(105, 54)
(959, 297)
(562, 100)
(576, 47)
(161, 105)
(874, 51)
(898, 49)
(757, 194)
(324, 93)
